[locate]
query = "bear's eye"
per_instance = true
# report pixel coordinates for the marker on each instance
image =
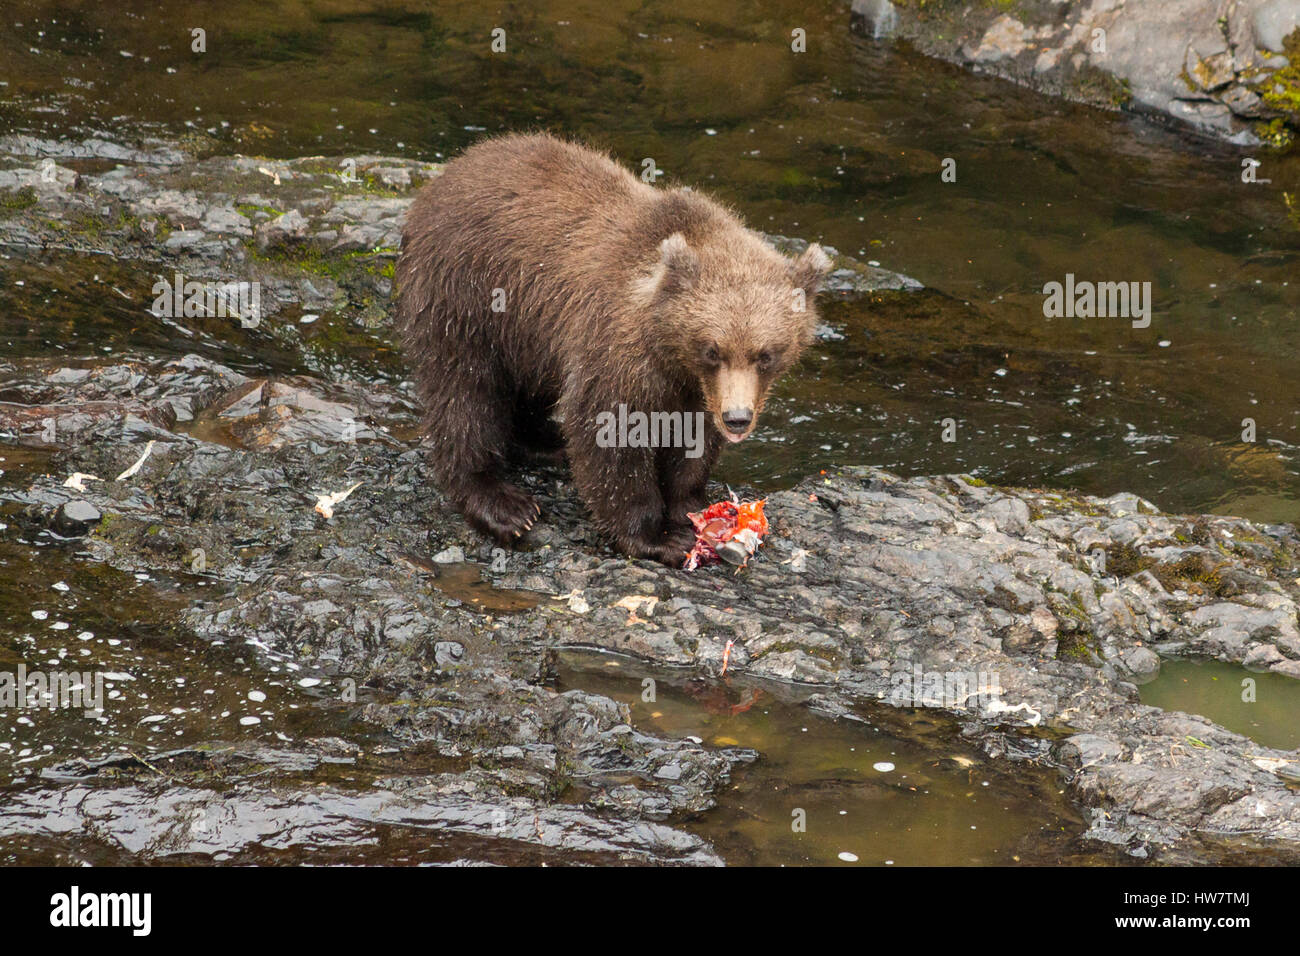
(765, 359)
(712, 355)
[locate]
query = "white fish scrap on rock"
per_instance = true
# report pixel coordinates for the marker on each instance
(139, 461)
(77, 480)
(325, 503)
(635, 602)
(996, 706)
(577, 601)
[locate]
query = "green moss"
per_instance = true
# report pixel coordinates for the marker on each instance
(1282, 89)
(1077, 646)
(1106, 89)
(379, 261)
(1275, 133)
(18, 199)
(248, 210)
(1124, 561)
(98, 230)
(1076, 505)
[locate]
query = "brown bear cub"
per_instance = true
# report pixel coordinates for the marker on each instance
(539, 278)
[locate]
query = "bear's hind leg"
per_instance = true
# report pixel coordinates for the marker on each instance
(470, 420)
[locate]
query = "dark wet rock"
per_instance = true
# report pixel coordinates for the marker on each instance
(1212, 65)
(183, 805)
(1062, 598)
(152, 152)
(267, 414)
(849, 278)
(63, 423)
(76, 517)
(285, 230)
(44, 404)
(1141, 662)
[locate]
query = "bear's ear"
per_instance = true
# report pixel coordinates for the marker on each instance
(810, 269)
(674, 272)
(680, 264)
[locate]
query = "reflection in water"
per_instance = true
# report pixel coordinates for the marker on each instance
(898, 788)
(1263, 707)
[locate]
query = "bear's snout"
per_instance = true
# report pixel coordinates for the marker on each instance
(738, 420)
(737, 399)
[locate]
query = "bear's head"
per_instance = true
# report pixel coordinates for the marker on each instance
(737, 314)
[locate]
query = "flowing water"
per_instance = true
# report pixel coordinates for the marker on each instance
(843, 143)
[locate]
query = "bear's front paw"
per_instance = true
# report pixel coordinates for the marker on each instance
(502, 511)
(670, 548)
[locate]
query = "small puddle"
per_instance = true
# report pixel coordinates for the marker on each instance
(210, 426)
(1264, 707)
(463, 581)
(900, 788)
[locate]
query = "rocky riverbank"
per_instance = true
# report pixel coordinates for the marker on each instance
(432, 654)
(1227, 68)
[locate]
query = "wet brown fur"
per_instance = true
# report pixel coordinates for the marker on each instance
(615, 292)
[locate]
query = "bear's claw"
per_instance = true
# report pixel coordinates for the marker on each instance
(502, 511)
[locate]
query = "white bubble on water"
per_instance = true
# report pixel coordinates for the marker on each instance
(884, 766)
